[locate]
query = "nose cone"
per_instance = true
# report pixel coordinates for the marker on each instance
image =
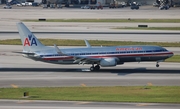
(171, 54)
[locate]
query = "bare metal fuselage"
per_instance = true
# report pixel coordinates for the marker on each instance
(122, 53)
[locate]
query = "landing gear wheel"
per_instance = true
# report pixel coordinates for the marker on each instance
(97, 67)
(92, 68)
(157, 65)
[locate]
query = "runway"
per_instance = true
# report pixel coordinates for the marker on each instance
(33, 104)
(113, 37)
(83, 26)
(67, 77)
(23, 72)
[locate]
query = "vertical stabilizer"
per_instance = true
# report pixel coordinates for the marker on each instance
(29, 41)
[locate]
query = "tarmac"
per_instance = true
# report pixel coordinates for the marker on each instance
(36, 104)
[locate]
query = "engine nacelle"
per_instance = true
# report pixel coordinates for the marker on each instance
(108, 62)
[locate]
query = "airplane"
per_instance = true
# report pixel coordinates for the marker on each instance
(103, 56)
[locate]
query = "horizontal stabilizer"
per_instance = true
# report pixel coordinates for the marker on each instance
(28, 53)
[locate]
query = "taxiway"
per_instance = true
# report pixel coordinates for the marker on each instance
(34, 104)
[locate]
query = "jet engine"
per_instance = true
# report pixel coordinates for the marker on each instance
(108, 62)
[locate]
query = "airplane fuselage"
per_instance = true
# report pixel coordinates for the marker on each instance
(122, 53)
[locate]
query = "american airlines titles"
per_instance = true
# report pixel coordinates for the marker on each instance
(129, 49)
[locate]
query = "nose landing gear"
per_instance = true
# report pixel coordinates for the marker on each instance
(157, 64)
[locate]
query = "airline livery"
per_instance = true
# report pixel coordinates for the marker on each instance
(97, 56)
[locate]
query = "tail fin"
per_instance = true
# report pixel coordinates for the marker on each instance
(28, 39)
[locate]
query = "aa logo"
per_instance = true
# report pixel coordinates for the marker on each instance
(30, 41)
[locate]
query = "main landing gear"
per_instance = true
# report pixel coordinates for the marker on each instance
(95, 68)
(157, 64)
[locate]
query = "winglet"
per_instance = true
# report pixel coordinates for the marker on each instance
(58, 50)
(87, 43)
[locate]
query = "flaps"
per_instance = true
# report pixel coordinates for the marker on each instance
(83, 60)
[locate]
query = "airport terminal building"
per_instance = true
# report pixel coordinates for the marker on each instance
(143, 2)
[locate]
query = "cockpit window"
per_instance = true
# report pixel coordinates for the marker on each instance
(164, 49)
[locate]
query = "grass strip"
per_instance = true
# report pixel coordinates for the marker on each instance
(69, 42)
(149, 28)
(108, 20)
(153, 94)
(175, 58)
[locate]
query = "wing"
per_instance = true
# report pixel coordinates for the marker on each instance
(58, 50)
(87, 43)
(85, 60)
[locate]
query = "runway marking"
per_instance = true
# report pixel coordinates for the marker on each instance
(149, 84)
(83, 85)
(24, 101)
(14, 86)
(142, 104)
(80, 103)
(85, 70)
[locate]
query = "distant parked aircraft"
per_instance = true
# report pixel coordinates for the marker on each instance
(97, 56)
